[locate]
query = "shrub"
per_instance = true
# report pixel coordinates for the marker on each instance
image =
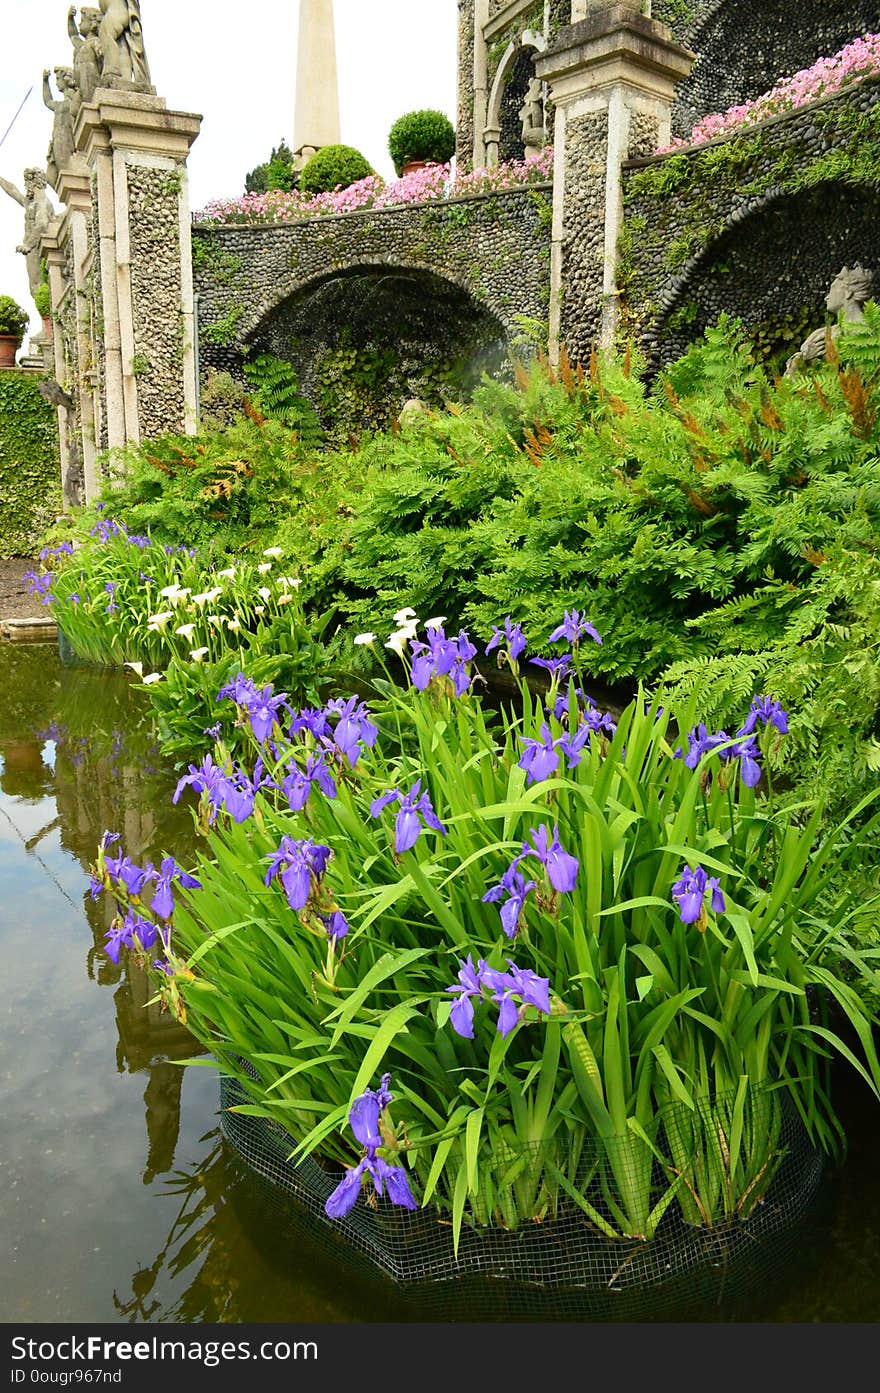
(43, 300)
(276, 173)
(421, 135)
(13, 319)
(334, 167)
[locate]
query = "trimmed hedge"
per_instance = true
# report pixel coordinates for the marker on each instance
(334, 167)
(30, 475)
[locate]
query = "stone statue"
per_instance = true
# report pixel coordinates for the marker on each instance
(531, 114)
(38, 214)
(120, 35)
(850, 289)
(63, 146)
(87, 53)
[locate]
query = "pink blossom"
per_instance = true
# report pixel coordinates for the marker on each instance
(434, 183)
(858, 59)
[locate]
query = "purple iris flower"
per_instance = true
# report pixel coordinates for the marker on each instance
(163, 899)
(122, 934)
(540, 757)
(365, 1111)
(133, 877)
(363, 1118)
(515, 886)
(310, 719)
(748, 754)
(700, 743)
(562, 869)
(769, 712)
(558, 668)
(573, 628)
(442, 657)
(337, 926)
(415, 807)
(297, 784)
(470, 984)
(40, 586)
(353, 729)
(206, 777)
(297, 862)
(263, 710)
(518, 982)
(690, 891)
(512, 637)
(241, 690)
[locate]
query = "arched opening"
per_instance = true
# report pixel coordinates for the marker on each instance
(744, 47)
(773, 270)
(368, 339)
(515, 120)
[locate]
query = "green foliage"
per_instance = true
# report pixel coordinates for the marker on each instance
(667, 1047)
(421, 135)
(13, 319)
(224, 331)
(30, 473)
(334, 167)
(275, 393)
(43, 300)
(220, 490)
(276, 173)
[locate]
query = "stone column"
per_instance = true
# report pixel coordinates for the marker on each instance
(136, 150)
(612, 79)
(317, 94)
(74, 235)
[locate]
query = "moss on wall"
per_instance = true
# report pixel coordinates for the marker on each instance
(30, 474)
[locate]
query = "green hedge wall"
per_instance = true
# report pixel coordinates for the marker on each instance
(30, 474)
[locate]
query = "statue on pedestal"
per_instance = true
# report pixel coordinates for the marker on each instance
(87, 52)
(38, 214)
(63, 146)
(120, 35)
(850, 289)
(531, 114)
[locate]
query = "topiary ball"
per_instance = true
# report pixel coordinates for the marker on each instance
(421, 135)
(333, 167)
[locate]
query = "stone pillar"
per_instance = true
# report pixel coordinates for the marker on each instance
(612, 79)
(75, 237)
(317, 94)
(140, 270)
(57, 252)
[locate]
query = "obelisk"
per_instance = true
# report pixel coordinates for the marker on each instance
(317, 94)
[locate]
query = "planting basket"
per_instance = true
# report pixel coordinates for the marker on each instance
(559, 1268)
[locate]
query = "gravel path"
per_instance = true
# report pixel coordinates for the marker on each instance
(15, 602)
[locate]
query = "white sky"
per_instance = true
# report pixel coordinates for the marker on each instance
(235, 65)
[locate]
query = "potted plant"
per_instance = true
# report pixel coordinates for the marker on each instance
(13, 322)
(419, 138)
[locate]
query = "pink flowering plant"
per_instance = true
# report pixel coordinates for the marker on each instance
(505, 966)
(433, 184)
(856, 60)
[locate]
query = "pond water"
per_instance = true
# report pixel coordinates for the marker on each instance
(119, 1199)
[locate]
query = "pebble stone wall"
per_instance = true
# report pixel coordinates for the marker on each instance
(464, 133)
(583, 244)
(154, 223)
(745, 46)
(756, 225)
(493, 248)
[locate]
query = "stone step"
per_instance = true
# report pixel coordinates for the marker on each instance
(29, 630)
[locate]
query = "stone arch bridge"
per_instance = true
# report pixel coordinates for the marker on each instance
(421, 296)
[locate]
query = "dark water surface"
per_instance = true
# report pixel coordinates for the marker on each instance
(119, 1201)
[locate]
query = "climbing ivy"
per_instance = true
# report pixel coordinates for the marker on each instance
(30, 490)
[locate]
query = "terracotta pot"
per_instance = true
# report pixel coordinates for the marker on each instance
(9, 346)
(411, 166)
(47, 326)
